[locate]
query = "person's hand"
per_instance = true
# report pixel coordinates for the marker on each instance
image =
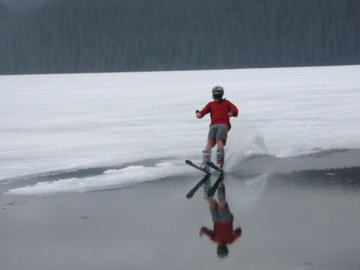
(230, 114)
(198, 114)
(202, 231)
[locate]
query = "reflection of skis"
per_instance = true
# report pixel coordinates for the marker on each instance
(201, 182)
(197, 186)
(213, 189)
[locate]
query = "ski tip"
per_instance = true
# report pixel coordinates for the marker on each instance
(215, 167)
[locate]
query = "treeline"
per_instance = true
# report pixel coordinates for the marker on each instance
(16, 4)
(133, 35)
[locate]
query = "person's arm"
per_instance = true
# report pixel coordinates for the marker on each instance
(233, 110)
(237, 233)
(204, 111)
(206, 231)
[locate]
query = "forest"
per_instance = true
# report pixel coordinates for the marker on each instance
(63, 36)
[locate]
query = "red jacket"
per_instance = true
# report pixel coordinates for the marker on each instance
(219, 112)
(223, 232)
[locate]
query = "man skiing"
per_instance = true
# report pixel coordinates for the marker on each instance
(220, 112)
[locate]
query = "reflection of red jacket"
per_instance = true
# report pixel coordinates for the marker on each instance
(223, 232)
(219, 111)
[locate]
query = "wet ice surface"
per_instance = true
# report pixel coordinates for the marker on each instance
(287, 224)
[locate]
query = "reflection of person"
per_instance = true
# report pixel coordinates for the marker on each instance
(220, 112)
(223, 232)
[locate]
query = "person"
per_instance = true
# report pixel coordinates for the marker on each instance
(220, 112)
(223, 233)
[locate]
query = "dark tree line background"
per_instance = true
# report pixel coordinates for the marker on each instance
(22, 3)
(132, 35)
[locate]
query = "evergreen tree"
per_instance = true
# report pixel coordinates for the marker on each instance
(123, 35)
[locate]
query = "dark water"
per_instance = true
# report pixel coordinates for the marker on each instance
(303, 220)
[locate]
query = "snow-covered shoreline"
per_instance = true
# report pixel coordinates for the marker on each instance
(69, 121)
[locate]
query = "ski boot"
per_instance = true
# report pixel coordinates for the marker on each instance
(207, 186)
(220, 160)
(206, 157)
(221, 191)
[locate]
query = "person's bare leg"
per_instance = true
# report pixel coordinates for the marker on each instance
(212, 203)
(220, 144)
(221, 195)
(206, 154)
(209, 145)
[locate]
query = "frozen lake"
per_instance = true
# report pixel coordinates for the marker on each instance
(290, 223)
(92, 172)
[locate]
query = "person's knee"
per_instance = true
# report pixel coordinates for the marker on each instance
(212, 203)
(210, 143)
(222, 204)
(220, 143)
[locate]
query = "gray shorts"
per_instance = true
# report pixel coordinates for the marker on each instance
(218, 214)
(218, 131)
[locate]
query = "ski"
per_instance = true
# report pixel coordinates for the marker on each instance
(191, 193)
(212, 165)
(190, 163)
(213, 189)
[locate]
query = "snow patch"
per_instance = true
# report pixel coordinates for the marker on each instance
(109, 179)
